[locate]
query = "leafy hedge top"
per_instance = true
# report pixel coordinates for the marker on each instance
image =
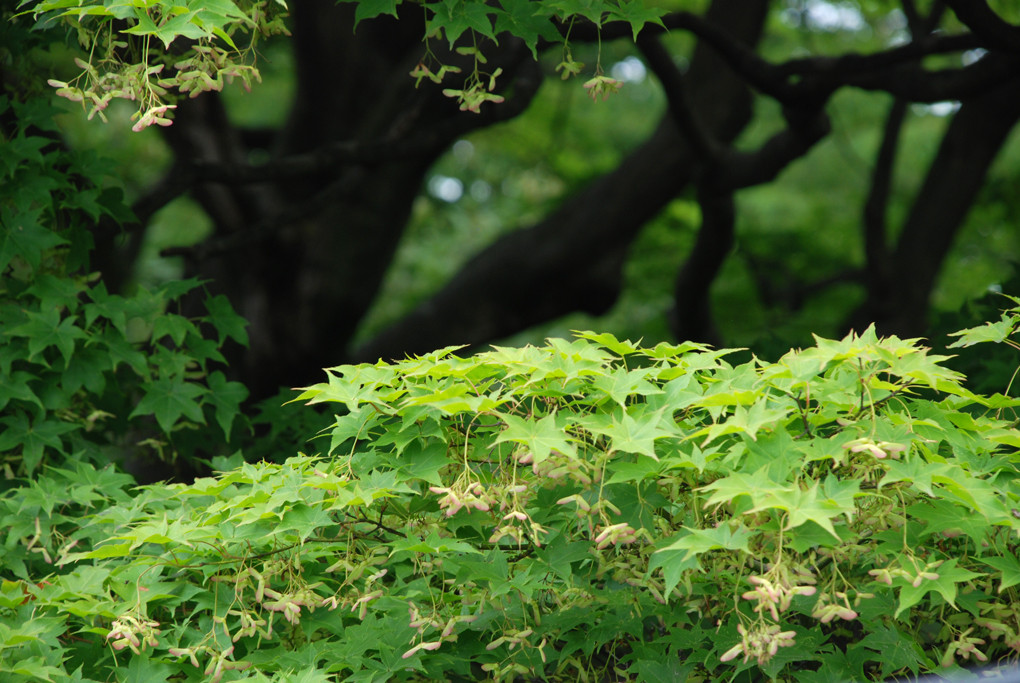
(585, 509)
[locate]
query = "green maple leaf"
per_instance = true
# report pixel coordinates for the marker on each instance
(945, 585)
(997, 332)
(633, 471)
(621, 384)
(977, 494)
(226, 321)
(682, 554)
(456, 398)
(916, 471)
(521, 18)
(896, 650)
(454, 17)
(16, 386)
(592, 10)
(107, 306)
(181, 25)
(637, 14)
(21, 149)
(23, 235)
(216, 16)
(169, 399)
(722, 537)
(606, 339)
(729, 488)
(1009, 568)
(226, 398)
(46, 329)
(119, 350)
(812, 504)
(744, 420)
(176, 326)
(941, 515)
(630, 435)
(540, 436)
(837, 667)
(776, 451)
(425, 461)
(925, 368)
(33, 438)
(369, 9)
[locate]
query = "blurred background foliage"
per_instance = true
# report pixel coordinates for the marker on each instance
(786, 278)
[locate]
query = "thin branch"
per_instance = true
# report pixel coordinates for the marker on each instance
(776, 286)
(731, 169)
(810, 81)
(854, 63)
(804, 129)
(875, 228)
(691, 317)
(910, 12)
(875, 223)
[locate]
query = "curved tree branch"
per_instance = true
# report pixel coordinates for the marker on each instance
(919, 85)
(722, 170)
(810, 81)
(704, 147)
(746, 169)
(876, 250)
(691, 316)
(994, 32)
(327, 159)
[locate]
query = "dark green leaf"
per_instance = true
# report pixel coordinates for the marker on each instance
(227, 322)
(22, 235)
(226, 397)
(169, 399)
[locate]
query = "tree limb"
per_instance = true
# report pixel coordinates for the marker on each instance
(661, 62)
(876, 251)
(995, 33)
(722, 170)
(803, 130)
(919, 85)
(691, 316)
(810, 81)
